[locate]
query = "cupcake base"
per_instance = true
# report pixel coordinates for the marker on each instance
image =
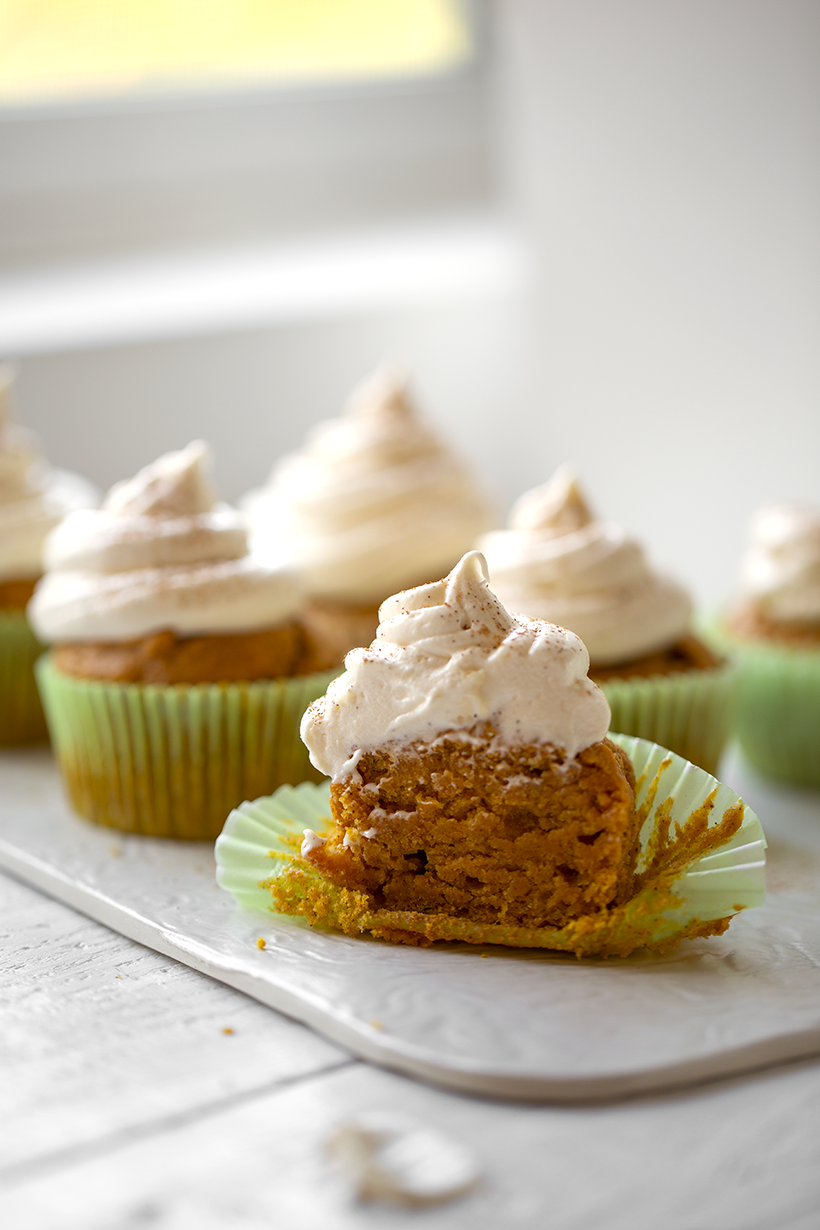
(778, 724)
(701, 861)
(691, 713)
(21, 713)
(172, 761)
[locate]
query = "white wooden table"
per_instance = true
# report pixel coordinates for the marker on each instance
(127, 1103)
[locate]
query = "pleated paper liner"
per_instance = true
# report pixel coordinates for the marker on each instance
(171, 761)
(702, 860)
(690, 713)
(21, 714)
(777, 719)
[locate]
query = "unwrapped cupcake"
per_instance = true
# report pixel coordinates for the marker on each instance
(33, 498)
(774, 630)
(476, 796)
(374, 502)
(176, 682)
(558, 561)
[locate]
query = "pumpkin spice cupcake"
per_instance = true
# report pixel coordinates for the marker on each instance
(474, 795)
(774, 631)
(179, 669)
(558, 561)
(33, 498)
(374, 502)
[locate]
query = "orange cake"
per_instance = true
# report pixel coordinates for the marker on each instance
(471, 773)
(177, 679)
(273, 653)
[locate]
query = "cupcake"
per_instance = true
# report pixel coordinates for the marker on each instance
(177, 677)
(774, 631)
(557, 561)
(33, 498)
(373, 503)
(475, 795)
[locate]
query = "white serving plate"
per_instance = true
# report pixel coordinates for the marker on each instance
(508, 1023)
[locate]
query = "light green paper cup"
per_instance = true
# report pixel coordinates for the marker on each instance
(778, 712)
(21, 713)
(690, 713)
(171, 761)
(714, 867)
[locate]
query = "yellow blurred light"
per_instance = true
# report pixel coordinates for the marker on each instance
(53, 49)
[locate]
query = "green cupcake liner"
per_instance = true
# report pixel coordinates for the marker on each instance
(21, 714)
(171, 761)
(691, 713)
(702, 860)
(778, 712)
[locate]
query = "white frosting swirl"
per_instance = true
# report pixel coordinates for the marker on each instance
(372, 503)
(158, 555)
(558, 562)
(447, 656)
(33, 497)
(781, 573)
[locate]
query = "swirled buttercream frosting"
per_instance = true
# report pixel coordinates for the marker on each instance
(446, 657)
(159, 555)
(781, 572)
(33, 497)
(557, 561)
(373, 502)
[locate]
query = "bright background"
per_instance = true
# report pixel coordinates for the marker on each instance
(594, 241)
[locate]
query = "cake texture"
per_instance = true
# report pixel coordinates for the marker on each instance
(773, 629)
(33, 497)
(175, 685)
(374, 502)
(471, 773)
(558, 561)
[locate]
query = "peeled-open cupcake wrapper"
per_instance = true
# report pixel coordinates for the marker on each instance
(778, 710)
(171, 761)
(690, 713)
(21, 713)
(714, 867)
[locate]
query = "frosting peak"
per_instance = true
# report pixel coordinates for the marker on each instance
(557, 507)
(450, 616)
(373, 502)
(781, 573)
(176, 485)
(158, 555)
(384, 391)
(557, 561)
(447, 657)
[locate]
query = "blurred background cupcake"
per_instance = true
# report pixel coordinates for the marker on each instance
(557, 561)
(178, 674)
(33, 497)
(374, 503)
(774, 630)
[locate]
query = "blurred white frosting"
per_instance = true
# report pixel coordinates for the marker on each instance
(33, 497)
(158, 555)
(781, 572)
(373, 502)
(557, 561)
(447, 656)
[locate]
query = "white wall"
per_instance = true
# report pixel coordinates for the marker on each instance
(254, 393)
(664, 156)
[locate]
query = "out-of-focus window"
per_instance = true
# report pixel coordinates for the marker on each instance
(65, 50)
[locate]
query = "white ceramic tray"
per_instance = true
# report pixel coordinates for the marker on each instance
(507, 1023)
